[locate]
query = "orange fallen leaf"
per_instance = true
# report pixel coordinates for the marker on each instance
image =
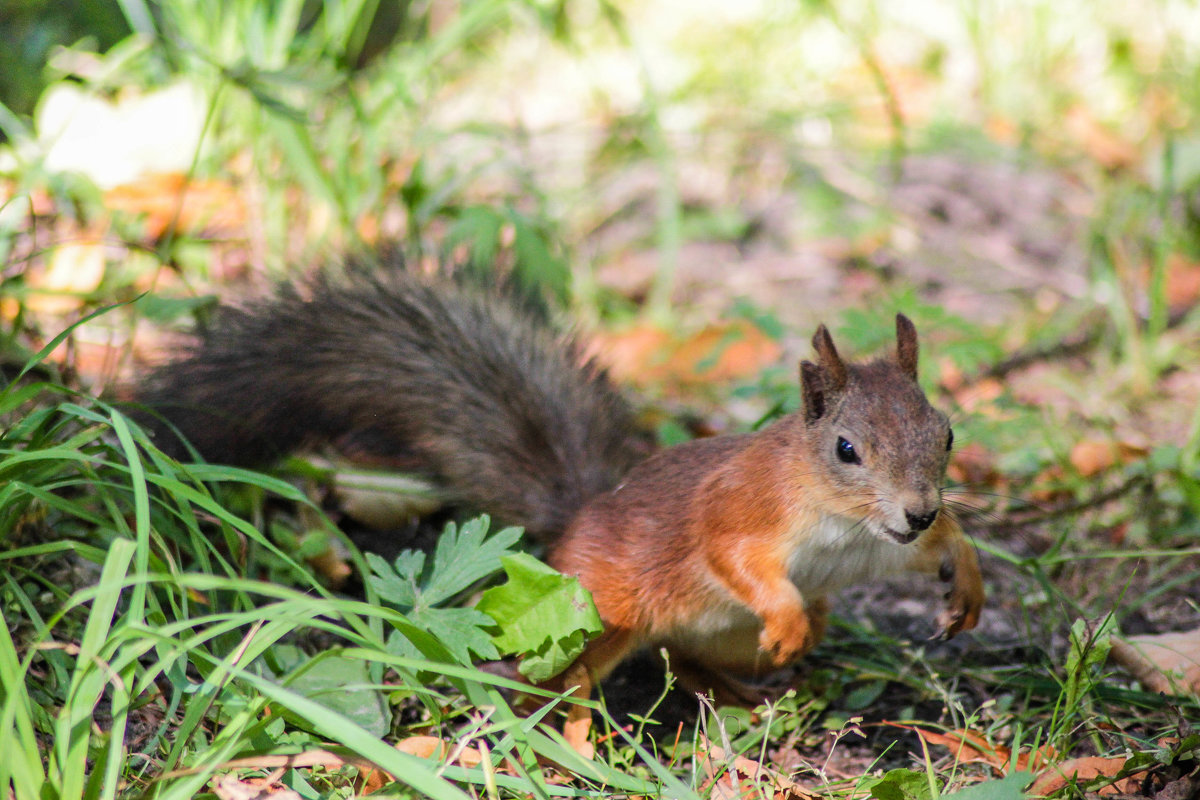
(1168, 662)
(970, 746)
(1092, 456)
(231, 787)
(171, 200)
(967, 745)
(979, 397)
(433, 747)
(1182, 282)
(1083, 769)
(647, 355)
(973, 465)
(1099, 141)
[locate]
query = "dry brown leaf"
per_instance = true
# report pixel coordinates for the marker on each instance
(1182, 282)
(1092, 456)
(950, 376)
(372, 780)
(974, 465)
(647, 355)
(1048, 485)
(170, 200)
(230, 787)
(331, 566)
(966, 746)
(632, 355)
(308, 758)
(1168, 662)
(1104, 145)
(980, 396)
(1083, 769)
(433, 747)
(722, 353)
(736, 776)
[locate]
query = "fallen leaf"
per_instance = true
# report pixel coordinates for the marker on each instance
(331, 566)
(970, 746)
(1083, 769)
(1099, 141)
(979, 397)
(1048, 485)
(372, 780)
(1092, 456)
(230, 787)
(433, 747)
(735, 776)
(647, 355)
(967, 746)
(1182, 282)
(974, 465)
(1168, 662)
(172, 201)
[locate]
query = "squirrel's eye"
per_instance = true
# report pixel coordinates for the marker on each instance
(846, 452)
(950, 441)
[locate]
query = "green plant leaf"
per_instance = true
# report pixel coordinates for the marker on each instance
(900, 784)
(1010, 787)
(543, 615)
(418, 587)
(339, 683)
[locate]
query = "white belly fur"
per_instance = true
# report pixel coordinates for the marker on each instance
(841, 552)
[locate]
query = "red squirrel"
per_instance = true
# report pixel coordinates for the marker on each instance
(723, 549)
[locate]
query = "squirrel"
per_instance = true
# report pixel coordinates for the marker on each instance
(722, 550)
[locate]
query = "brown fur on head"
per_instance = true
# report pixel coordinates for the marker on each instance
(883, 447)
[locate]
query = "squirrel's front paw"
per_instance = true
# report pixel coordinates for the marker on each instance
(787, 639)
(963, 604)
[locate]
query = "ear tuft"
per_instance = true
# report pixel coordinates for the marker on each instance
(906, 345)
(829, 360)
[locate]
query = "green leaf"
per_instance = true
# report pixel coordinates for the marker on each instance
(462, 631)
(418, 586)
(340, 684)
(1010, 787)
(543, 616)
(900, 784)
(462, 558)
(396, 583)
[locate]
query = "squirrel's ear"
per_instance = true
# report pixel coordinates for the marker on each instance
(906, 345)
(812, 386)
(829, 360)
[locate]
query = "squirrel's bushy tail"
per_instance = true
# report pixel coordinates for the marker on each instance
(454, 381)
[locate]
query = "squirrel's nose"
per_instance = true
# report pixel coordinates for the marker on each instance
(919, 522)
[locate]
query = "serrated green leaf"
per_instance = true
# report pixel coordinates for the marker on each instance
(464, 631)
(417, 586)
(396, 583)
(543, 615)
(466, 556)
